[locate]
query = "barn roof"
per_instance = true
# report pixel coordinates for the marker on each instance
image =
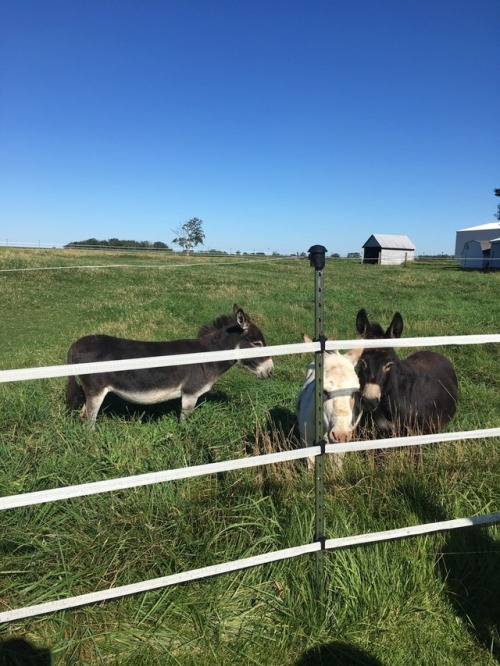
(390, 242)
(483, 227)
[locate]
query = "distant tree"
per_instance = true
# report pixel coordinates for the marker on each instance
(497, 194)
(353, 255)
(335, 255)
(190, 234)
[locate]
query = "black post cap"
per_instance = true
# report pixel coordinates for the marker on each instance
(317, 256)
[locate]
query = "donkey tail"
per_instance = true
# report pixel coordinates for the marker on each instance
(75, 397)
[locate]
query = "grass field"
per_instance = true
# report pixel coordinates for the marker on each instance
(426, 600)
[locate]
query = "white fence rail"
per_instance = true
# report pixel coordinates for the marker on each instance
(46, 372)
(109, 485)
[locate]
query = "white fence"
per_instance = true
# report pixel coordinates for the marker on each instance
(57, 494)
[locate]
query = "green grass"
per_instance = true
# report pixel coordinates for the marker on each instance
(424, 600)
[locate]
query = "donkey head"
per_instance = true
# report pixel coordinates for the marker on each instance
(250, 335)
(374, 373)
(340, 388)
(375, 364)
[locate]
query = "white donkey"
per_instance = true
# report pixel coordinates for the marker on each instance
(340, 385)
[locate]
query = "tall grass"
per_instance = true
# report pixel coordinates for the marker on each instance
(426, 600)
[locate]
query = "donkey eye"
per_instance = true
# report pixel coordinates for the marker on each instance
(387, 366)
(363, 363)
(257, 343)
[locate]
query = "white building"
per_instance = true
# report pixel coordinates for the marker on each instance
(495, 254)
(483, 232)
(476, 254)
(388, 249)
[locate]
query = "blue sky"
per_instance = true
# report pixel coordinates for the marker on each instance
(279, 123)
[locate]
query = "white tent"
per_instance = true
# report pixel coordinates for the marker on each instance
(476, 254)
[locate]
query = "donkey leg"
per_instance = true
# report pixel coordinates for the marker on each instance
(310, 461)
(91, 408)
(188, 404)
(337, 462)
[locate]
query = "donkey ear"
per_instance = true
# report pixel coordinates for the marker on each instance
(362, 322)
(307, 339)
(353, 355)
(241, 318)
(396, 327)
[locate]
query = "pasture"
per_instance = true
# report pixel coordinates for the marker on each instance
(425, 600)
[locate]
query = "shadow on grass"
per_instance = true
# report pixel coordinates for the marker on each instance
(19, 652)
(283, 421)
(470, 566)
(15, 544)
(279, 433)
(337, 654)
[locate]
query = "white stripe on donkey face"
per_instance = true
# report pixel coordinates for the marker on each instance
(152, 385)
(340, 386)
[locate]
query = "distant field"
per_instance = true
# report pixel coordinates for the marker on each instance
(427, 600)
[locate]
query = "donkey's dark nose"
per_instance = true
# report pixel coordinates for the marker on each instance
(370, 404)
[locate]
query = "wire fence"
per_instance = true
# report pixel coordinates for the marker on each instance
(109, 485)
(489, 260)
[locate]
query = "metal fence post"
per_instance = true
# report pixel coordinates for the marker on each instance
(317, 259)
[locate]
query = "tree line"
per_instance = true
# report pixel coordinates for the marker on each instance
(117, 243)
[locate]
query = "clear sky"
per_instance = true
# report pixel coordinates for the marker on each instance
(279, 123)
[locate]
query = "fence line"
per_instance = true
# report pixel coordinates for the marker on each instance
(246, 563)
(175, 266)
(146, 479)
(166, 251)
(476, 262)
(45, 372)
(126, 482)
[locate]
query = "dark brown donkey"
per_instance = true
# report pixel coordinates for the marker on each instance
(417, 395)
(153, 385)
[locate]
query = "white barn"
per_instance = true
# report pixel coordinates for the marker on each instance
(388, 249)
(483, 232)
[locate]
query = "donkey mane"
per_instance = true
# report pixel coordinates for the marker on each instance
(222, 322)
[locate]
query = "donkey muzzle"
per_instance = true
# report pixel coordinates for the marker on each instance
(340, 435)
(370, 404)
(370, 398)
(265, 369)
